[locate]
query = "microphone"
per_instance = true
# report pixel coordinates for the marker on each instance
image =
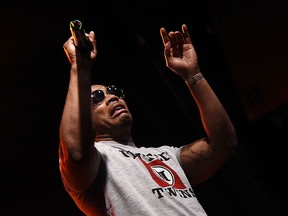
(80, 40)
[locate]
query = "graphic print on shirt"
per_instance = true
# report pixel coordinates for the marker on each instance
(168, 180)
(162, 174)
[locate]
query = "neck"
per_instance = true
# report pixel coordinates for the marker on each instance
(120, 134)
(107, 137)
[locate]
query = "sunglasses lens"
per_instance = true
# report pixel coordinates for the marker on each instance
(115, 91)
(98, 96)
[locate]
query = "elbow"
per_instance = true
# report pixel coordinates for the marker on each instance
(232, 145)
(231, 141)
(233, 137)
(227, 140)
(234, 142)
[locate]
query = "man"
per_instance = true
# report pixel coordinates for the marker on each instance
(106, 173)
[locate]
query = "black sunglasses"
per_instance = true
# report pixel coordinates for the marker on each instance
(99, 95)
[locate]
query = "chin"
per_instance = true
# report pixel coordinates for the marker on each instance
(126, 120)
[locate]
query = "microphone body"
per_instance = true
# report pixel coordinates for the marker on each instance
(80, 40)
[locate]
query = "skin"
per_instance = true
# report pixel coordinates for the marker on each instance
(112, 118)
(82, 123)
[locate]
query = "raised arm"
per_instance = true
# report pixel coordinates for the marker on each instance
(76, 150)
(202, 158)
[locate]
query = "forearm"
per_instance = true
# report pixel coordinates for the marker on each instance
(215, 120)
(76, 125)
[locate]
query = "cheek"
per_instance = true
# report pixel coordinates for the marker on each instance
(99, 118)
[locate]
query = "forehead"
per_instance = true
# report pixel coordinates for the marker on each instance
(97, 87)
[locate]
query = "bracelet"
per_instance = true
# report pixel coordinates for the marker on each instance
(192, 80)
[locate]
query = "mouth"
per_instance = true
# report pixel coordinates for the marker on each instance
(118, 110)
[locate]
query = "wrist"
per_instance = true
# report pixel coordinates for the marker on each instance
(192, 80)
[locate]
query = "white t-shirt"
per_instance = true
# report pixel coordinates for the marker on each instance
(143, 181)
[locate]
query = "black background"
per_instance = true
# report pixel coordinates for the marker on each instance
(34, 81)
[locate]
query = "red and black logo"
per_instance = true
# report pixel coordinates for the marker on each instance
(162, 174)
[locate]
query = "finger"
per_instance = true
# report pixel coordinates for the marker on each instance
(174, 44)
(180, 41)
(92, 39)
(92, 36)
(179, 38)
(186, 33)
(68, 42)
(166, 43)
(164, 36)
(173, 39)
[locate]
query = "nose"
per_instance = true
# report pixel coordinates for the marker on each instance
(111, 98)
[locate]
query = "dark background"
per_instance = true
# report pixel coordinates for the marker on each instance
(242, 48)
